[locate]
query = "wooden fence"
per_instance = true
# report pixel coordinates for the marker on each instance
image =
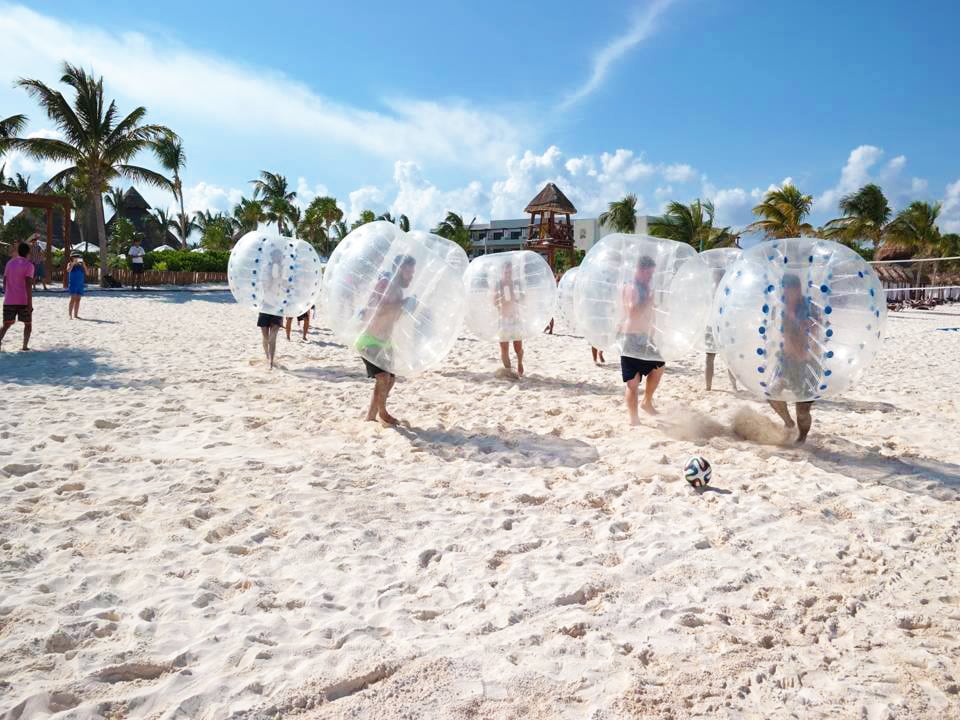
(149, 277)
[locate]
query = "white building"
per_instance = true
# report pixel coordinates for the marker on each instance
(503, 235)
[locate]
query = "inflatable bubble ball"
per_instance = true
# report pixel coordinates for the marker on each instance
(718, 260)
(565, 297)
(510, 295)
(456, 256)
(799, 319)
(274, 274)
(643, 297)
(397, 300)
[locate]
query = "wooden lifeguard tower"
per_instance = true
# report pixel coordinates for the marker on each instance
(553, 232)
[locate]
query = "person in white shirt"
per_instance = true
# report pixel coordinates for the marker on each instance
(136, 254)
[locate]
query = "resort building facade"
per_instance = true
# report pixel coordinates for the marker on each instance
(504, 235)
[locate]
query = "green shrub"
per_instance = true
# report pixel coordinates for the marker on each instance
(187, 261)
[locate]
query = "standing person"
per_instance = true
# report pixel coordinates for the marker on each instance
(800, 320)
(77, 282)
(708, 373)
(136, 254)
(303, 324)
(36, 257)
(18, 294)
(507, 302)
(597, 353)
(382, 312)
(635, 331)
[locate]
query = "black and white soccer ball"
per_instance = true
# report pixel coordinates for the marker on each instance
(697, 471)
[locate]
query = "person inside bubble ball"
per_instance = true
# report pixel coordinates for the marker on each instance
(711, 357)
(381, 314)
(635, 331)
(506, 298)
(800, 320)
(270, 324)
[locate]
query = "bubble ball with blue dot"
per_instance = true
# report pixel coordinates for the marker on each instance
(274, 274)
(799, 319)
(718, 260)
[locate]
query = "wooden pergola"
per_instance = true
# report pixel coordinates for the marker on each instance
(48, 203)
(551, 234)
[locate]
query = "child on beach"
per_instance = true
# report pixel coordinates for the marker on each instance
(76, 284)
(507, 302)
(383, 309)
(18, 294)
(635, 330)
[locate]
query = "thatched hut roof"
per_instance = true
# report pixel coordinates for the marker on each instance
(551, 199)
(893, 250)
(893, 274)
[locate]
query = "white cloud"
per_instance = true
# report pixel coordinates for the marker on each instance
(950, 213)
(38, 171)
(369, 197)
(640, 29)
(918, 186)
(679, 172)
(306, 193)
(222, 95)
(204, 196)
(425, 204)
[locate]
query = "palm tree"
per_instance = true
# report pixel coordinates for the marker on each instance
(165, 221)
(453, 228)
(17, 183)
(338, 231)
(203, 219)
(247, 214)
(277, 200)
(692, 224)
(621, 215)
(366, 216)
(98, 146)
(114, 198)
(783, 211)
(865, 216)
(183, 226)
(403, 222)
(10, 127)
(313, 229)
(169, 151)
(77, 193)
(915, 228)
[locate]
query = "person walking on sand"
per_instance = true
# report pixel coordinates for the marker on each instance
(303, 321)
(76, 284)
(597, 353)
(507, 301)
(383, 309)
(635, 331)
(18, 294)
(136, 254)
(36, 257)
(800, 320)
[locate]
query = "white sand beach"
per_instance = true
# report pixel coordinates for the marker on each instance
(184, 534)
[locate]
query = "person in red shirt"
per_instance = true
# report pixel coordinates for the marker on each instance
(18, 294)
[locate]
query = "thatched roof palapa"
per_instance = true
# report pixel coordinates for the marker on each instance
(892, 250)
(551, 199)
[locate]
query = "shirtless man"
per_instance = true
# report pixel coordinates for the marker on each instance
(799, 322)
(507, 302)
(635, 330)
(382, 312)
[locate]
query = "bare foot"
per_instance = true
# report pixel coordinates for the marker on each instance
(648, 408)
(635, 420)
(26, 349)
(520, 368)
(388, 420)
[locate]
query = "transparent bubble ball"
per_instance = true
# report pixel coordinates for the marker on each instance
(799, 319)
(274, 274)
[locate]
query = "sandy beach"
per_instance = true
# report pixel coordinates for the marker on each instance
(184, 534)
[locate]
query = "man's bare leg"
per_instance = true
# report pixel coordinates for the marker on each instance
(27, 329)
(385, 417)
(780, 408)
(708, 372)
(289, 324)
(274, 331)
(306, 325)
(3, 330)
(518, 349)
(733, 380)
(804, 419)
(505, 355)
(631, 396)
(265, 336)
(379, 385)
(549, 328)
(650, 387)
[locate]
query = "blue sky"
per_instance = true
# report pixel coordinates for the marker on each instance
(473, 106)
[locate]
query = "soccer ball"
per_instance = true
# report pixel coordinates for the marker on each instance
(697, 471)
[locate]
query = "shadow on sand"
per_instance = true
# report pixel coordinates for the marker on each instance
(329, 374)
(532, 381)
(513, 448)
(71, 367)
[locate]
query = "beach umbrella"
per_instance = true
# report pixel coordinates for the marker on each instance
(199, 250)
(163, 248)
(85, 247)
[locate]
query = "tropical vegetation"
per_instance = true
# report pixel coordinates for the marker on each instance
(692, 224)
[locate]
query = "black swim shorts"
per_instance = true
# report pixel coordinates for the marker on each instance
(631, 367)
